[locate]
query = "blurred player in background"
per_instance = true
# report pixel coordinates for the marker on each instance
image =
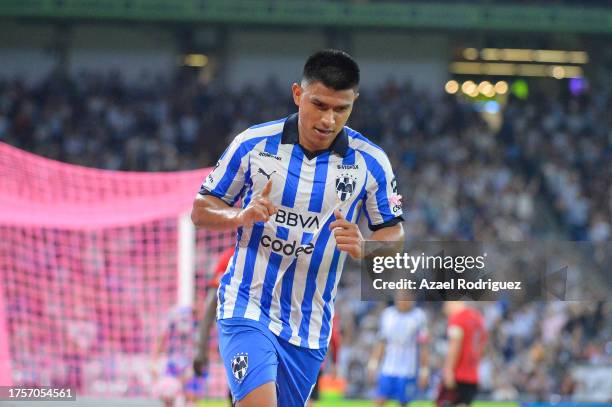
(402, 346)
(177, 386)
(305, 179)
(466, 341)
(200, 363)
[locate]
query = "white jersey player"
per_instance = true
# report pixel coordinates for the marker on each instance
(402, 346)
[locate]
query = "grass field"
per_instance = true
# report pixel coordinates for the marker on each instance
(364, 403)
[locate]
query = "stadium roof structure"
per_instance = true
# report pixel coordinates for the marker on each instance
(438, 15)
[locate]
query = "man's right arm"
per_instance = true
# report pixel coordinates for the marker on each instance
(210, 212)
(374, 362)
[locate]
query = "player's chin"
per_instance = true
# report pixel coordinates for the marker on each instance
(323, 135)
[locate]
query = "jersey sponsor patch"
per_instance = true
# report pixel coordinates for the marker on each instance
(291, 219)
(276, 157)
(396, 203)
(348, 166)
(288, 249)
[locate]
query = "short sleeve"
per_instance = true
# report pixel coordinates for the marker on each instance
(220, 268)
(455, 328)
(226, 180)
(383, 204)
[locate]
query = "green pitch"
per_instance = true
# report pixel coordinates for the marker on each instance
(364, 403)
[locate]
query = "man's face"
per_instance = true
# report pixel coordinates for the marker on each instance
(450, 307)
(323, 112)
(403, 306)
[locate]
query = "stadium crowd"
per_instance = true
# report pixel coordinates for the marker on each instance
(158, 125)
(459, 179)
(572, 144)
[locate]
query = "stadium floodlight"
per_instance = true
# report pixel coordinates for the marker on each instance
(471, 54)
(511, 69)
(558, 72)
(469, 87)
(196, 60)
(527, 55)
(501, 87)
(451, 87)
(578, 57)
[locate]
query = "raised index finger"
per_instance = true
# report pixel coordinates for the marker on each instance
(265, 192)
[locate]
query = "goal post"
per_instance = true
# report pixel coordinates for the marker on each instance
(91, 264)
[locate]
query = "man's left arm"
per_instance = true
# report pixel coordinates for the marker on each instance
(393, 233)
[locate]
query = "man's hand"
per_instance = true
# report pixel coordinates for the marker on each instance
(372, 370)
(423, 377)
(347, 234)
(259, 209)
(449, 378)
(200, 364)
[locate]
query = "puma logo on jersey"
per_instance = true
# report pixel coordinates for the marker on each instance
(261, 171)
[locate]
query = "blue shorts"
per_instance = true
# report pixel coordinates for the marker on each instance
(195, 386)
(253, 356)
(401, 389)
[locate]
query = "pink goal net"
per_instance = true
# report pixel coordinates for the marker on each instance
(88, 271)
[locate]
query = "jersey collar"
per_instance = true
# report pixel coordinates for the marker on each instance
(290, 136)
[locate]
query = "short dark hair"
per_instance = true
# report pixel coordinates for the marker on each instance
(333, 68)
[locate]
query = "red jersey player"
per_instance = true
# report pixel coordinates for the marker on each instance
(467, 338)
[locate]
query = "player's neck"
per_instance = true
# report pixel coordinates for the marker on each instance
(311, 150)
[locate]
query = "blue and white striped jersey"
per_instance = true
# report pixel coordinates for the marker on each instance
(285, 272)
(403, 333)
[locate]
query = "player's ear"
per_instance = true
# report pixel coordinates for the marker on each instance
(297, 93)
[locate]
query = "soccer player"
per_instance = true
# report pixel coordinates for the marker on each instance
(176, 385)
(304, 181)
(403, 342)
(200, 363)
(467, 337)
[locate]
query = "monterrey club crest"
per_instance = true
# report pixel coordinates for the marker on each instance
(240, 364)
(345, 186)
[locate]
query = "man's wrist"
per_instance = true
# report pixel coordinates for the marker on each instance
(237, 220)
